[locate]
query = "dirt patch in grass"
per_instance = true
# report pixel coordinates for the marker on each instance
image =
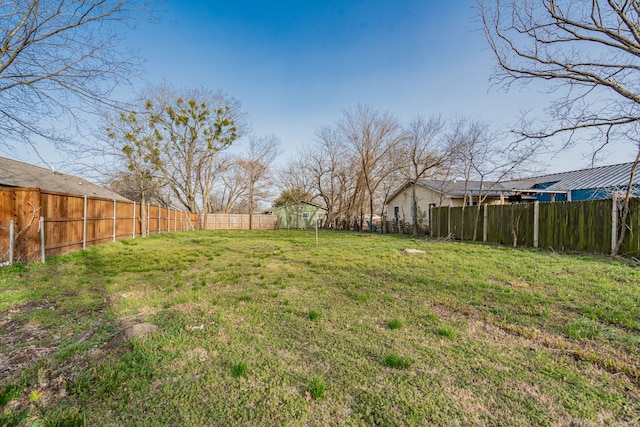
(618, 363)
(24, 339)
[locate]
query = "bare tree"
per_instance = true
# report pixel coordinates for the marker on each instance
(587, 52)
(485, 156)
(327, 162)
(256, 165)
(424, 149)
(372, 136)
(228, 193)
(295, 182)
(168, 146)
(212, 176)
(58, 56)
(392, 181)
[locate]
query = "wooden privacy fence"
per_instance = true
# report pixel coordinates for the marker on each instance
(240, 222)
(36, 223)
(587, 226)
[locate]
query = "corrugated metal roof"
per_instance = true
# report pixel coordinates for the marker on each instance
(18, 174)
(598, 177)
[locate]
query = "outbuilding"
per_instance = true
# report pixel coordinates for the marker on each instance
(299, 215)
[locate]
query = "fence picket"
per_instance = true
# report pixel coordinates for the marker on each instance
(69, 222)
(588, 226)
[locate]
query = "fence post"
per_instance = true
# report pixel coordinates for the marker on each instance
(614, 222)
(449, 222)
(169, 220)
(159, 218)
(84, 226)
(133, 222)
(42, 253)
(148, 218)
(11, 240)
(114, 220)
(485, 223)
(536, 223)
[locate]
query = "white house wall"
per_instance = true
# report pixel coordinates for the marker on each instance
(425, 196)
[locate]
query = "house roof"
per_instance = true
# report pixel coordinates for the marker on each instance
(23, 175)
(315, 205)
(458, 187)
(454, 188)
(598, 177)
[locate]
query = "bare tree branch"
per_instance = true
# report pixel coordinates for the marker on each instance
(588, 51)
(58, 57)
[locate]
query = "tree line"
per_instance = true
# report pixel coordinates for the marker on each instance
(171, 148)
(355, 164)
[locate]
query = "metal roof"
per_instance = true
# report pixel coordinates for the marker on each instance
(598, 177)
(457, 187)
(23, 175)
(315, 205)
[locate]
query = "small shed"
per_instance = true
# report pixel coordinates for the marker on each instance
(299, 215)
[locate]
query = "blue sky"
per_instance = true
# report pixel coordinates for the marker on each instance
(297, 64)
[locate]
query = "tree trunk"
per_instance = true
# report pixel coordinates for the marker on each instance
(414, 205)
(464, 206)
(476, 220)
(625, 210)
(251, 207)
(144, 225)
(370, 213)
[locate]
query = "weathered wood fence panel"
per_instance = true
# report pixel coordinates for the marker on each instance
(631, 244)
(68, 222)
(508, 225)
(585, 226)
(240, 222)
(22, 206)
(458, 227)
(582, 226)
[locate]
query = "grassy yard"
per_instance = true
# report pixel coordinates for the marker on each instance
(265, 328)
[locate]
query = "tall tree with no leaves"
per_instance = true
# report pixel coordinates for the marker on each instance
(588, 52)
(327, 163)
(57, 56)
(424, 150)
(256, 164)
(295, 182)
(481, 154)
(372, 137)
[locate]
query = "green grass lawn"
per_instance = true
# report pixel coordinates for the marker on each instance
(265, 328)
